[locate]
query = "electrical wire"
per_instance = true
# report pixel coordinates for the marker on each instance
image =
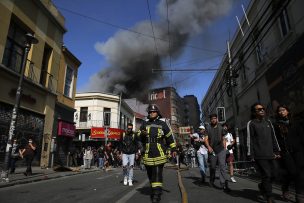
(273, 17)
(133, 31)
(169, 41)
(156, 51)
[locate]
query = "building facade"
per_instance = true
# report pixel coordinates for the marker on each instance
(171, 106)
(192, 111)
(64, 129)
(140, 111)
(41, 78)
(267, 65)
(100, 117)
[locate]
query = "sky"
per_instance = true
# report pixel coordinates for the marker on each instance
(109, 37)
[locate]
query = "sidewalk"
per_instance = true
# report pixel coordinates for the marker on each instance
(40, 174)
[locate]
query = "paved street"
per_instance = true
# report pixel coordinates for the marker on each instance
(101, 186)
(245, 190)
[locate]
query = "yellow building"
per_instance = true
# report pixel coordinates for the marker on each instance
(45, 73)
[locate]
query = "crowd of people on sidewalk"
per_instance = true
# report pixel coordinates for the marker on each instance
(104, 157)
(275, 147)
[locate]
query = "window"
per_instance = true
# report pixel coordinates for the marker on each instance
(45, 63)
(284, 23)
(68, 87)
(83, 114)
(14, 50)
(106, 116)
(258, 51)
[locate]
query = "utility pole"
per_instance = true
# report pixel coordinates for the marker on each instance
(29, 40)
(106, 132)
(118, 111)
(232, 84)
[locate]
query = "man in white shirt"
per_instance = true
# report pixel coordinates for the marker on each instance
(229, 145)
(202, 152)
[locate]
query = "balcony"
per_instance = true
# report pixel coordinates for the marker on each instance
(12, 60)
(95, 123)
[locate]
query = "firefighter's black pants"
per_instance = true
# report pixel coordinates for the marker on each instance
(155, 175)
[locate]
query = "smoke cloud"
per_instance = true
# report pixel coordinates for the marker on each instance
(133, 56)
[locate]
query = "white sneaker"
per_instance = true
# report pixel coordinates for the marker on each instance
(233, 180)
(125, 181)
(130, 183)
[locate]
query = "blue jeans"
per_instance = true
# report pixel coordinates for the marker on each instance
(127, 164)
(100, 163)
(203, 165)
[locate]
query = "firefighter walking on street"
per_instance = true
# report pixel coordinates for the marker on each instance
(156, 136)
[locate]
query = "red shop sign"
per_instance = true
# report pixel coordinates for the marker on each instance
(66, 129)
(114, 133)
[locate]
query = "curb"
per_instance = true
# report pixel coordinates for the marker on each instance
(42, 177)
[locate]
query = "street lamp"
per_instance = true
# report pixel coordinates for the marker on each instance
(29, 40)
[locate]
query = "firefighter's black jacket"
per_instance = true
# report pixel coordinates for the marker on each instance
(156, 136)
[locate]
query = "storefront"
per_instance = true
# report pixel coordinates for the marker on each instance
(64, 131)
(29, 125)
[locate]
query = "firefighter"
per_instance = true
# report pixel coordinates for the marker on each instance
(156, 136)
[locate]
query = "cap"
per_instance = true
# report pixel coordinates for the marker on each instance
(202, 127)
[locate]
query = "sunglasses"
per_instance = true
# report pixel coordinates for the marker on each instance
(260, 109)
(152, 111)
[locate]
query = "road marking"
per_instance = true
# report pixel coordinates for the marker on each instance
(131, 193)
(182, 188)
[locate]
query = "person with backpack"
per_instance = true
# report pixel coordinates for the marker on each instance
(130, 144)
(201, 151)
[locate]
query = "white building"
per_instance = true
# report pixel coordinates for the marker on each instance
(97, 112)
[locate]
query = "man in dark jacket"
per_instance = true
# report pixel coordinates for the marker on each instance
(263, 148)
(129, 146)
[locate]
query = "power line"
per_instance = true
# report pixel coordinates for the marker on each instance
(169, 38)
(248, 51)
(152, 28)
(198, 60)
(134, 31)
(185, 70)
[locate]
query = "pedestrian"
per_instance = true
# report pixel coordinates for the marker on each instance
(152, 133)
(215, 142)
(29, 153)
(15, 152)
(263, 148)
(101, 157)
(73, 157)
(290, 137)
(87, 157)
(202, 151)
(230, 142)
(130, 145)
(192, 153)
